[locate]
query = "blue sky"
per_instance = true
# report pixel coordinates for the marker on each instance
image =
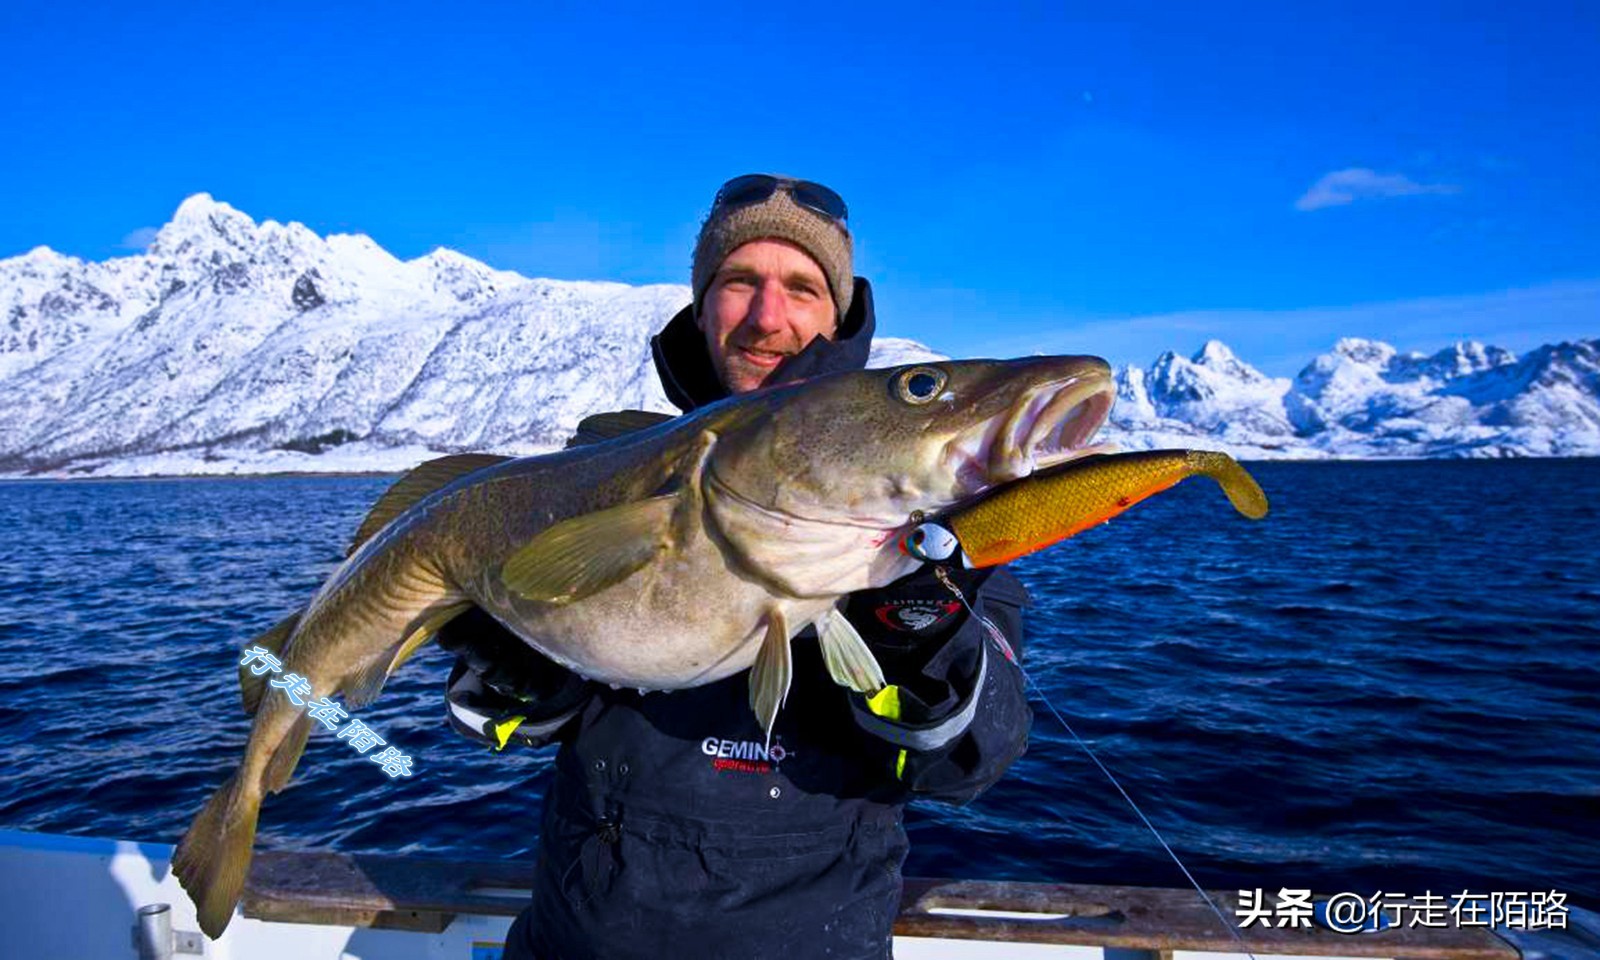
(1118, 179)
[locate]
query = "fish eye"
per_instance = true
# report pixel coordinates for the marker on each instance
(919, 384)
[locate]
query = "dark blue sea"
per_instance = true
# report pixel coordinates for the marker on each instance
(1392, 683)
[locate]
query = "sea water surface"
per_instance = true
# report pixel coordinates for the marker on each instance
(1392, 683)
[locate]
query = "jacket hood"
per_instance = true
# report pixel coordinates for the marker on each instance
(690, 380)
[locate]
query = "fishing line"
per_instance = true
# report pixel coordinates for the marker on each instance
(1005, 648)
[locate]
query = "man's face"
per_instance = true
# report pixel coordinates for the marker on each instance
(767, 301)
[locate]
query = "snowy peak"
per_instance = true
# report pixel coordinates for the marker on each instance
(1215, 356)
(1214, 375)
(1368, 353)
(1363, 398)
(203, 224)
(1213, 392)
(199, 208)
(460, 277)
(1471, 357)
(233, 342)
(40, 259)
(232, 345)
(1459, 360)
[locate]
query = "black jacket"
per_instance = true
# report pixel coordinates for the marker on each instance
(670, 826)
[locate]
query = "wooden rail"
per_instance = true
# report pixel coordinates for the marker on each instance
(407, 893)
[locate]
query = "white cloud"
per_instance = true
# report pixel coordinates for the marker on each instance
(139, 239)
(1346, 186)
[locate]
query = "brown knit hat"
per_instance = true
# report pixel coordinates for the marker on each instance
(778, 217)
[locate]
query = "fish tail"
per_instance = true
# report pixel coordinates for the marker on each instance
(214, 855)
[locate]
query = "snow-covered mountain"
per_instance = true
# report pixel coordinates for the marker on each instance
(231, 346)
(1213, 395)
(1364, 399)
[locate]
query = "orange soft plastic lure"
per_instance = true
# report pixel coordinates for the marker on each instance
(1046, 508)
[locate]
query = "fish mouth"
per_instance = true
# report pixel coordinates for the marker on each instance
(1050, 424)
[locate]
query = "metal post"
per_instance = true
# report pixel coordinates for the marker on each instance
(153, 932)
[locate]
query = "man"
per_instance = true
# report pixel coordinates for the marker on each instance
(669, 824)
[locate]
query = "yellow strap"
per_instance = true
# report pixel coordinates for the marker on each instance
(504, 729)
(886, 702)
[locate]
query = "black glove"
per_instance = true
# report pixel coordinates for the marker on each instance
(924, 639)
(507, 666)
(916, 609)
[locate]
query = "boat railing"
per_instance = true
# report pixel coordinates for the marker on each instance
(1137, 923)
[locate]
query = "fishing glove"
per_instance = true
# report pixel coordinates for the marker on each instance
(929, 646)
(953, 703)
(498, 677)
(916, 610)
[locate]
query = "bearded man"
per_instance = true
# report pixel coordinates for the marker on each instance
(670, 824)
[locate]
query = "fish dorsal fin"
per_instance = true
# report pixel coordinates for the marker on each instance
(583, 555)
(414, 486)
(773, 669)
(251, 686)
(606, 426)
(850, 662)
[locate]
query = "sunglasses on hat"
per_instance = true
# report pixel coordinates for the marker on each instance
(755, 188)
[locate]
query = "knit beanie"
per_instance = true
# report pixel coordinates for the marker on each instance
(777, 217)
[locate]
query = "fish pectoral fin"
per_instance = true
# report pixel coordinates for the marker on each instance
(364, 687)
(415, 486)
(251, 686)
(850, 662)
(774, 667)
(425, 630)
(583, 555)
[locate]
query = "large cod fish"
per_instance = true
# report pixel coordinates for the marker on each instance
(663, 559)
